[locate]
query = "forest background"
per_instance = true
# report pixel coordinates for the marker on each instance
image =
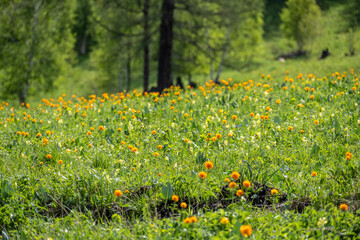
(88, 47)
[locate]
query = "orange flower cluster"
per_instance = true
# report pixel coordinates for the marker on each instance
(189, 220)
(348, 155)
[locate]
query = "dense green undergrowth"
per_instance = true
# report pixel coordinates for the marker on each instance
(120, 166)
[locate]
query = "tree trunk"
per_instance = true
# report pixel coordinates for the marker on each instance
(121, 80)
(212, 69)
(146, 46)
(166, 41)
(300, 46)
(83, 46)
(351, 42)
(223, 56)
(128, 76)
(23, 91)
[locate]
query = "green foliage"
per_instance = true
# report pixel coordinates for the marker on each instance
(300, 21)
(36, 45)
(120, 40)
(352, 13)
(153, 147)
(82, 27)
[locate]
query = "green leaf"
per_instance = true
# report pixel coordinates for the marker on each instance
(245, 122)
(126, 130)
(277, 120)
(146, 111)
(336, 126)
(315, 150)
(166, 191)
(200, 159)
(236, 229)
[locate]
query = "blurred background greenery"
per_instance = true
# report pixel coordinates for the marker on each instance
(83, 47)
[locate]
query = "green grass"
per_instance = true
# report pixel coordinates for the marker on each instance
(45, 198)
(42, 197)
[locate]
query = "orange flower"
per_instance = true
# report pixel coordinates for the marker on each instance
(314, 174)
(134, 149)
(60, 161)
(232, 185)
(235, 175)
(202, 175)
(240, 192)
(193, 219)
(175, 198)
(156, 154)
(274, 191)
(218, 136)
(290, 128)
(183, 205)
(246, 183)
(187, 220)
(278, 101)
(246, 230)
(159, 174)
(348, 155)
(48, 156)
(208, 165)
(118, 193)
(224, 220)
(153, 132)
(160, 146)
(344, 207)
(316, 122)
(101, 128)
(234, 117)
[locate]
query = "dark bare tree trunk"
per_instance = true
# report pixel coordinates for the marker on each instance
(223, 57)
(83, 46)
(146, 46)
(351, 42)
(23, 91)
(128, 74)
(121, 80)
(166, 43)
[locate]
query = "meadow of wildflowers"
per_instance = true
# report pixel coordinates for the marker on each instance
(262, 158)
